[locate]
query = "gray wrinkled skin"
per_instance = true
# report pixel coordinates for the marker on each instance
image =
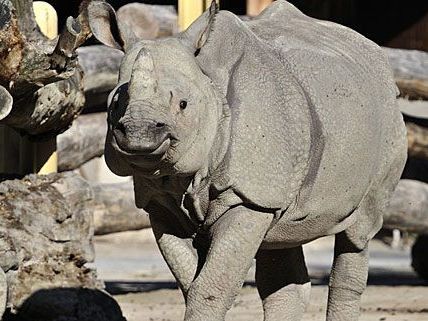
(249, 139)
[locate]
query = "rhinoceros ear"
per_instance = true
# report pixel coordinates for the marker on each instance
(106, 28)
(198, 33)
(6, 102)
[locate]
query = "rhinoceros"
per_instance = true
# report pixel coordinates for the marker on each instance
(248, 139)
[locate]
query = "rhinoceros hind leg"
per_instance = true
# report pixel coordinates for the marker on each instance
(348, 280)
(283, 283)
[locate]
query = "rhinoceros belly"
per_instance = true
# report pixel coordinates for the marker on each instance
(328, 200)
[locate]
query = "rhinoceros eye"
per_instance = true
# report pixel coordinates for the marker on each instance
(183, 104)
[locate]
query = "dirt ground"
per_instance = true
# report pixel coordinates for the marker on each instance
(139, 280)
(379, 303)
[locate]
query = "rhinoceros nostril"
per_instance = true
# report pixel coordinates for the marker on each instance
(160, 125)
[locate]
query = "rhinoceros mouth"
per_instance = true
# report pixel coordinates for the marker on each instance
(154, 154)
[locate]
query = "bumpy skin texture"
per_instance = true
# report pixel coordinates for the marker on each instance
(249, 139)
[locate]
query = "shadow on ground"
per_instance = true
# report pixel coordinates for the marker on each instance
(67, 304)
(377, 278)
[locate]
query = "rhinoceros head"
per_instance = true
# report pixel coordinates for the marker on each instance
(163, 115)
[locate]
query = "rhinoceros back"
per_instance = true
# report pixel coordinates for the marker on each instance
(357, 131)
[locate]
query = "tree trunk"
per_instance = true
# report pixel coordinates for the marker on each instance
(115, 210)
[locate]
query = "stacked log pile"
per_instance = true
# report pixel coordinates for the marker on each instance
(100, 65)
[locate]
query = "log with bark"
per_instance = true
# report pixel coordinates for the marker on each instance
(408, 209)
(149, 21)
(115, 210)
(410, 69)
(417, 139)
(40, 74)
(83, 141)
(100, 65)
(45, 236)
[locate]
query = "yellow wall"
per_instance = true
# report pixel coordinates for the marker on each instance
(189, 10)
(44, 157)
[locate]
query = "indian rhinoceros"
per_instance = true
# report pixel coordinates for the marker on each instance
(247, 139)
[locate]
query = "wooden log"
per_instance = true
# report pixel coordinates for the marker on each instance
(100, 65)
(52, 109)
(45, 235)
(6, 102)
(85, 141)
(29, 61)
(410, 69)
(115, 209)
(408, 209)
(82, 142)
(149, 21)
(417, 140)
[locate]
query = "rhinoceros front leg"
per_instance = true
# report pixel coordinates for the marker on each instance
(176, 248)
(235, 239)
(283, 283)
(348, 280)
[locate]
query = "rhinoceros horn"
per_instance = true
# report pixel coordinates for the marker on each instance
(143, 73)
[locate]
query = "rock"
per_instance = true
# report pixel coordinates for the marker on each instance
(45, 237)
